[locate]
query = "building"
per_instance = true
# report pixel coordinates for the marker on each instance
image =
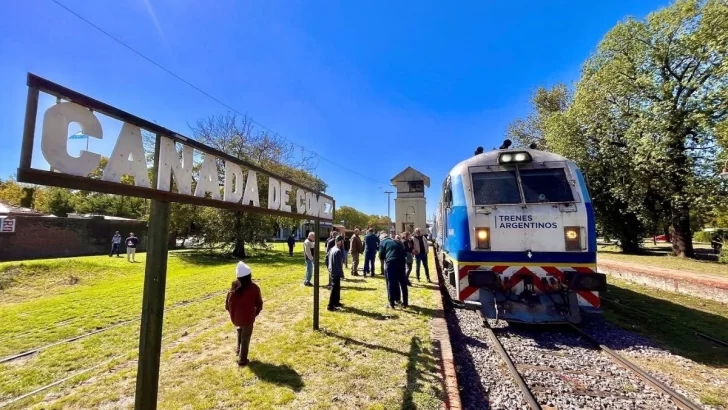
(410, 206)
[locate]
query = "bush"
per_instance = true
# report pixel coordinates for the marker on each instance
(701, 236)
(723, 257)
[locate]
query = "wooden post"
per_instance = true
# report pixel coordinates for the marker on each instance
(155, 280)
(317, 245)
(31, 112)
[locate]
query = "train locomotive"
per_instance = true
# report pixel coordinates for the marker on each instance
(515, 230)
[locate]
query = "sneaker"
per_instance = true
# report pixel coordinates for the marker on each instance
(405, 306)
(340, 305)
(307, 284)
(332, 309)
(243, 362)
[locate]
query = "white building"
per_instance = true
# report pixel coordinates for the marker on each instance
(410, 207)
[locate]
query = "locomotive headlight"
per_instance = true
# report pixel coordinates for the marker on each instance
(514, 157)
(572, 237)
(483, 238)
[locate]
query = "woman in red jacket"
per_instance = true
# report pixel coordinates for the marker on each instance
(244, 303)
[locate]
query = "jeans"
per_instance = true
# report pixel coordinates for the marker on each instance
(290, 250)
(244, 334)
(403, 283)
(335, 298)
(409, 268)
(114, 249)
(422, 258)
(309, 271)
(369, 260)
(391, 274)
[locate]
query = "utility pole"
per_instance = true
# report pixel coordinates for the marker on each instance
(389, 228)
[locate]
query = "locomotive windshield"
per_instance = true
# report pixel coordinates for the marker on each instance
(491, 188)
(537, 185)
(545, 185)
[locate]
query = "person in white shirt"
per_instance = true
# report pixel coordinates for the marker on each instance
(308, 245)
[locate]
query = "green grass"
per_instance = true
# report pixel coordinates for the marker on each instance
(365, 356)
(671, 320)
(658, 257)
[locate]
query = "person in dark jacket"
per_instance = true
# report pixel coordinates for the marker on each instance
(421, 247)
(392, 253)
(336, 272)
(291, 244)
(244, 303)
(371, 244)
(346, 250)
(409, 248)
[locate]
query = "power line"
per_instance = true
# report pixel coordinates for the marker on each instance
(203, 92)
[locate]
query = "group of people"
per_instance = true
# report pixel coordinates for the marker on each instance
(396, 256)
(131, 244)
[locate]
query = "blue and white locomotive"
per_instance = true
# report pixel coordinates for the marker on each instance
(516, 232)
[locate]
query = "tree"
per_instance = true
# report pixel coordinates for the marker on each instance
(379, 223)
(646, 121)
(11, 192)
(237, 136)
(352, 218)
(545, 102)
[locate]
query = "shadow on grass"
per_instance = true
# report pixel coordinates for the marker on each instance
(419, 361)
(357, 288)
(366, 313)
(671, 325)
(348, 340)
(204, 258)
(281, 375)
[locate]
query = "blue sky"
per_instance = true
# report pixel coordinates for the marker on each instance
(375, 86)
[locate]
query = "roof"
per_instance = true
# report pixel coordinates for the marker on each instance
(411, 174)
(490, 158)
(7, 209)
(94, 216)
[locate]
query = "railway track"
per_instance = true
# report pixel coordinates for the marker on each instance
(38, 349)
(530, 392)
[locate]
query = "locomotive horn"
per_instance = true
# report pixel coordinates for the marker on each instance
(533, 145)
(478, 150)
(506, 144)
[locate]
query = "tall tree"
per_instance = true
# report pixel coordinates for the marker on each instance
(351, 217)
(545, 102)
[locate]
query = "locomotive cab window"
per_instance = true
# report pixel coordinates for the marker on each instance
(492, 188)
(545, 185)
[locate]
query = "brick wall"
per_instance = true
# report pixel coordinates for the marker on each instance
(38, 237)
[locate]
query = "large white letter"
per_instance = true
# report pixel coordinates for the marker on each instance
(128, 143)
(251, 189)
(312, 204)
(169, 164)
(285, 197)
(233, 192)
(274, 193)
(208, 178)
(322, 207)
(301, 201)
(55, 136)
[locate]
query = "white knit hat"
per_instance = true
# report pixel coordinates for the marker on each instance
(242, 270)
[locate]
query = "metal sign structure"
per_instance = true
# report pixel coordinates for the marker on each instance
(171, 182)
(7, 225)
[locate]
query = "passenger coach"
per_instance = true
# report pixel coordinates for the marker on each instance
(515, 228)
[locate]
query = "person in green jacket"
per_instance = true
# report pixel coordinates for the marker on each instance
(392, 253)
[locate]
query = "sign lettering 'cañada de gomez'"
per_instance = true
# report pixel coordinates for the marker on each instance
(239, 185)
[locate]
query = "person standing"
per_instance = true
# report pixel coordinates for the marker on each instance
(420, 248)
(336, 272)
(244, 303)
(308, 252)
(371, 244)
(409, 249)
(391, 253)
(382, 235)
(291, 244)
(131, 244)
(346, 250)
(115, 244)
(356, 248)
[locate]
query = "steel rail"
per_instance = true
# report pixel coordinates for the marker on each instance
(527, 394)
(680, 400)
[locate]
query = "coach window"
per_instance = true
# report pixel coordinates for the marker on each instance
(545, 185)
(496, 188)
